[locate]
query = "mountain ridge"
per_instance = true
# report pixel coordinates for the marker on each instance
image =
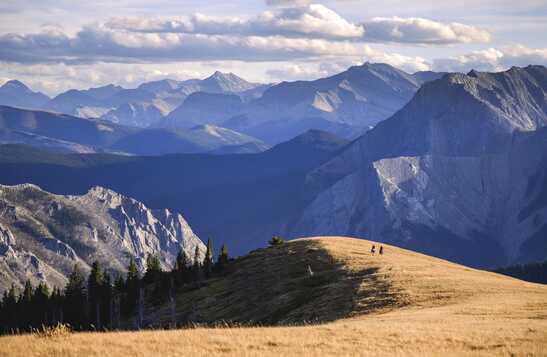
(43, 235)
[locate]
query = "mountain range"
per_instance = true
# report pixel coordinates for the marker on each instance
(42, 235)
(72, 134)
(239, 199)
(458, 172)
(346, 104)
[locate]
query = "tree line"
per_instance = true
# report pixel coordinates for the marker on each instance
(533, 272)
(99, 302)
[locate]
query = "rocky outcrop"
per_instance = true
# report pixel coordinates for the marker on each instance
(134, 114)
(459, 172)
(43, 235)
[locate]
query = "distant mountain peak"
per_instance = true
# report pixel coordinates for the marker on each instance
(219, 74)
(15, 93)
(14, 83)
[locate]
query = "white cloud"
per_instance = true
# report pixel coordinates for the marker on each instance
(314, 21)
(295, 33)
(493, 59)
(59, 77)
(104, 44)
(422, 31)
(289, 3)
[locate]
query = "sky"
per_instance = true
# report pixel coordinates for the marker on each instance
(56, 45)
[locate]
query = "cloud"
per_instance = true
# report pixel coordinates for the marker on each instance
(293, 33)
(312, 21)
(493, 59)
(102, 44)
(295, 71)
(289, 3)
(53, 78)
(422, 31)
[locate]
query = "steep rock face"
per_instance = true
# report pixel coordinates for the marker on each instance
(134, 114)
(456, 173)
(43, 235)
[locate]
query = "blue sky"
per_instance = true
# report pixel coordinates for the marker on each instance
(56, 45)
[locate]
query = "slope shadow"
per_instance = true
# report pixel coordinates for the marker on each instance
(273, 286)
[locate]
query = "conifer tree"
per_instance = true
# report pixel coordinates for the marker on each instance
(56, 305)
(180, 270)
(223, 259)
(9, 304)
(129, 301)
(25, 308)
(196, 268)
(153, 269)
(208, 260)
(41, 303)
(94, 293)
(106, 300)
(28, 291)
(132, 270)
(75, 296)
(119, 285)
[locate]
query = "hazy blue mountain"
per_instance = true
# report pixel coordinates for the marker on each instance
(360, 96)
(201, 108)
(138, 114)
(346, 104)
(14, 93)
(73, 134)
(247, 148)
(199, 139)
(239, 199)
(78, 103)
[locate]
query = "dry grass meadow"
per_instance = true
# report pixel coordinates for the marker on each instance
(400, 303)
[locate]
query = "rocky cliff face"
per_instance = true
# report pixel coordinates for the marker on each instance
(459, 172)
(43, 235)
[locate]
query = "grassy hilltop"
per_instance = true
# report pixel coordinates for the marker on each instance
(355, 303)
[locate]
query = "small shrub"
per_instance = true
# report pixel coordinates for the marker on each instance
(59, 330)
(276, 241)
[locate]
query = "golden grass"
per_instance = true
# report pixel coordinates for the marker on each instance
(440, 308)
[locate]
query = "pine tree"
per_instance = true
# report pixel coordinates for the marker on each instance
(94, 293)
(180, 270)
(223, 259)
(153, 269)
(132, 270)
(75, 299)
(25, 307)
(119, 285)
(41, 303)
(129, 300)
(208, 260)
(107, 300)
(196, 268)
(28, 291)
(9, 304)
(56, 306)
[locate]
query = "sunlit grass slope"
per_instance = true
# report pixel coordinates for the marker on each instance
(398, 303)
